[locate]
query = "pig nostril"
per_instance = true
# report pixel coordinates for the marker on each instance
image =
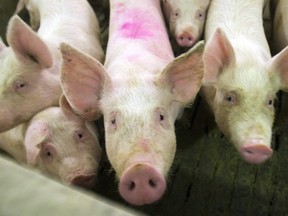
(182, 38)
(131, 186)
(152, 183)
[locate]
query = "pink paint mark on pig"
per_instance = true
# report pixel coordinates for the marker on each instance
(138, 24)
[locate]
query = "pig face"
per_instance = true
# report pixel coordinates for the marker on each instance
(64, 146)
(241, 94)
(139, 113)
(26, 84)
(186, 19)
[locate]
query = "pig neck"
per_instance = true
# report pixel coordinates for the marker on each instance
(137, 37)
(12, 142)
(243, 25)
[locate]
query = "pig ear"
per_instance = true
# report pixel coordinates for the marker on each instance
(82, 80)
(185, 73)
(279, 63)
(20, 6)
(36, 133)
(2, 45)
(218, 53)
(26, 44)
(66, 108)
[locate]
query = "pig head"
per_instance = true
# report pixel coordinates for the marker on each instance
(139, 114)
(241, 93)
(63, 145)
(27, 84)
(186, 19)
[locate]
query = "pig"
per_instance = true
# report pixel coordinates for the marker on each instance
(186, 20)
(29, 67)
(241, 78)
(139, 90)
(58, 143)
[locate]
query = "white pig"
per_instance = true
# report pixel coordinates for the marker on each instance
(139, 93)
(241, 79)
(186, 19)
(29, 68)
(57, 142)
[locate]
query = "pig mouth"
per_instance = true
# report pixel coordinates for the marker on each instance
(82, 179)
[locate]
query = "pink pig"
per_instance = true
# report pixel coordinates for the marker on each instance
(140, 92)
(29, 68)
(241, 79)
(59, 143)
(186, 19)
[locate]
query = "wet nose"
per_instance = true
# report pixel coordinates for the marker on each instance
(142, 184)
(185, 39)
(256, 153)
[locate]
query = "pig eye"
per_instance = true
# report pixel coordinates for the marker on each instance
(176, 13)
(47, 153)
(200, 14)
(161, 117)
(231, 99)
(270, 102)
(20, 85)
(114, 121)
(79, 135)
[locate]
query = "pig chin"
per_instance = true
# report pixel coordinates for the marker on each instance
(82, 178)
(7, 121)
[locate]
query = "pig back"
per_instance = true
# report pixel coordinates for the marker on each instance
(135, 31)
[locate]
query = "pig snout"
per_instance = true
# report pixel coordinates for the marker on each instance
(142, 184)
(185, 39)
(85, 181)
(255, 152)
